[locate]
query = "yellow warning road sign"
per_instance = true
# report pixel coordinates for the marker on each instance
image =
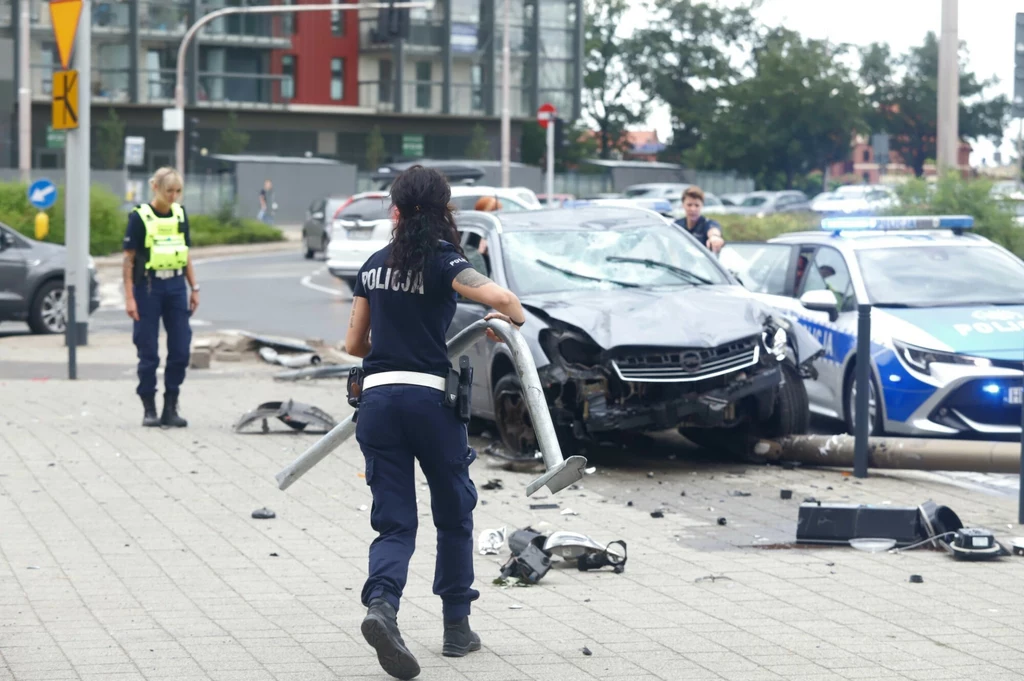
(64, 15)
(65, 100)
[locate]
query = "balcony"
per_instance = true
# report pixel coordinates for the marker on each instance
(248, 30)
(423, 36)
(163, 19)
(241, 90)
(156, 86)
(107, 85)
(109, 17)
(426, 97)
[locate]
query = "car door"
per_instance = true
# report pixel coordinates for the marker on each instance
(13, 275)
(827, 270)
(468, 312)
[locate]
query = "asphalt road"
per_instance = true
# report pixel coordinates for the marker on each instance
(275, 294)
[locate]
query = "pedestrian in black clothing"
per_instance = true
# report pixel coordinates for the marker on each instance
(706, 231)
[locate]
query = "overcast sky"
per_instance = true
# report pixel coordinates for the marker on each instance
(986, 26)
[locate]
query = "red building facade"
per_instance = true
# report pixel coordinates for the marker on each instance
(324, 59)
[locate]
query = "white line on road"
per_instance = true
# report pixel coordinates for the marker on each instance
(307, 281)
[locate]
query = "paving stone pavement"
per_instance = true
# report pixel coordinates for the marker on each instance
(129, 553)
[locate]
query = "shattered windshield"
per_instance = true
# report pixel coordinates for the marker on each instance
(574, 259)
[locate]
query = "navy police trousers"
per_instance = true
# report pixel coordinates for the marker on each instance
(165, 299)
(398, 425)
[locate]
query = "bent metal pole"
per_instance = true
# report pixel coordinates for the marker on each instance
(560, 472)
(179, 82)
(919, 454)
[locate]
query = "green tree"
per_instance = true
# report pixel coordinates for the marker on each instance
(110, 141)
(375, 148)
(533, 144)
(795, 114)
(232, 140)
(683, 59)
(479, 146)
(611, 67)
(903, 97)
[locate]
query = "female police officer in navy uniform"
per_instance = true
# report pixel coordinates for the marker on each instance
(404, 299)
(156, 264)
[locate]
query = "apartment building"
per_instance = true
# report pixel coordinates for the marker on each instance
(306, 83)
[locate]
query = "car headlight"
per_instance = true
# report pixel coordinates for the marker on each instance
(921, 359)
(774, 341)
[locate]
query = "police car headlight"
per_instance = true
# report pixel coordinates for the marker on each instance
(775, 343)
(921, 359)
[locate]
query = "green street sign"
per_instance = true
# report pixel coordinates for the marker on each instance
(413, 146)
(55, 138)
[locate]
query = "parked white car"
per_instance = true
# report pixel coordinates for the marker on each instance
(855, 199)
(363, 226)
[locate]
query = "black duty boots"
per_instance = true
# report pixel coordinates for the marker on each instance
(459, 639)
(170, 416)
(149, 418)
(380, 629)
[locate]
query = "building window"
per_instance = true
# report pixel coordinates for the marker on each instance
(288, 19)
(423, 85)
(288, 71)
(337, 20)
(337, 79)
(867, 155)
(384, 80)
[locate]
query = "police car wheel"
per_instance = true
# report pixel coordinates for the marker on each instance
(850, 402)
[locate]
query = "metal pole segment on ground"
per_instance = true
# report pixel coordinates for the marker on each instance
(560, 472)
(863, 382)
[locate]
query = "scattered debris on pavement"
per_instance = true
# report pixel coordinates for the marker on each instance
(568, 511)
(658, 514)
(916, 579)
(586, 651)
(314, 372)
(272, 356)
(722, 521)
(738, 493)
(542, 507)
(712, 578)
(532, 554)
(786, 494)
(491, 541)
(263, 514)
(494, 483)
(296, 415)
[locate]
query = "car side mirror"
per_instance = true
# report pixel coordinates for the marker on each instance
(821, 301)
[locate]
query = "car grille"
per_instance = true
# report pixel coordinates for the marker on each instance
(688, 364)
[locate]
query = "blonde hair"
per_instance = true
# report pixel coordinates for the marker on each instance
(162, 176)
(487, 203)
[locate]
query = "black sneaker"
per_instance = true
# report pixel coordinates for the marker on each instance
(380, 629)
(459, 639)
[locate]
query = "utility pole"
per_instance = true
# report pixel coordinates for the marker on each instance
(174, 119)
(24, 95)
(79, 168)
(506, 95)
(948, 128)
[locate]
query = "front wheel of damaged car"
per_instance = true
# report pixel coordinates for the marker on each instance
(512, 418)
(792, 413)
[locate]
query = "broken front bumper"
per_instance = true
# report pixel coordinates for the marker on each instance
(708, 408)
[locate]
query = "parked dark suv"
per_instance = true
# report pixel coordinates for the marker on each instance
(32, 282)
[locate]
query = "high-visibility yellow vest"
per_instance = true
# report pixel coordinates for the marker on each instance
(164, 238)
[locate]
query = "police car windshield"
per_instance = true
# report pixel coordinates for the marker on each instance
(926, 276)
(586, 252)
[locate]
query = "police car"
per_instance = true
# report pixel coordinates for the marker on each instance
(947, 321)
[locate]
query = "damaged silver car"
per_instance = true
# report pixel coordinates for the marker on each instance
(634, 327)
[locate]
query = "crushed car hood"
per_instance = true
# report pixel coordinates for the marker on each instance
(700, 316)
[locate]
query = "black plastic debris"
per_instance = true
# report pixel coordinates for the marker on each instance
(629, 503)
(542, 507)
(492, 484)
(738, 493)
(263, 514)
(838, 523)
(916, 579)
(786, 494)
(273, 555)
(712, 578)
(722, 521)
(528, 565)
(586, 651)
(683, 493)
(607, 558)
(657, 514)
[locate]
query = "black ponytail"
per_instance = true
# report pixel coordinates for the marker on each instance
(424, 219)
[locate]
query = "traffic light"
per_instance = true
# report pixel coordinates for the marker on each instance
(561, 139)
(393, 23)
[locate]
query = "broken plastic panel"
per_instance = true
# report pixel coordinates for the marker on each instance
(560, 472)
(296, 415)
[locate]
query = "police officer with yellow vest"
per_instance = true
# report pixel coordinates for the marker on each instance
(156, 264)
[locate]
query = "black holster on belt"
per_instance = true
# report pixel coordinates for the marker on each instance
(458, 391)
(355, 388)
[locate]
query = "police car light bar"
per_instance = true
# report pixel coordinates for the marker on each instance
(897, 222)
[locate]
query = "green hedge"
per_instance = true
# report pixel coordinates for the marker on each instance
(951, 195)
(108, 220)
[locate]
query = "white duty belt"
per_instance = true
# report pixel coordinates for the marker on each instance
(404, 378)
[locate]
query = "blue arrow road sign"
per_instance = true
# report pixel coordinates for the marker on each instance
(42, 194)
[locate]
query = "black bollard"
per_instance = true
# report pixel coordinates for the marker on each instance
(863, 379)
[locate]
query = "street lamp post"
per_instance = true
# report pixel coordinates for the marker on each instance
(506, 93)
(948, 119)
(179, 85)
